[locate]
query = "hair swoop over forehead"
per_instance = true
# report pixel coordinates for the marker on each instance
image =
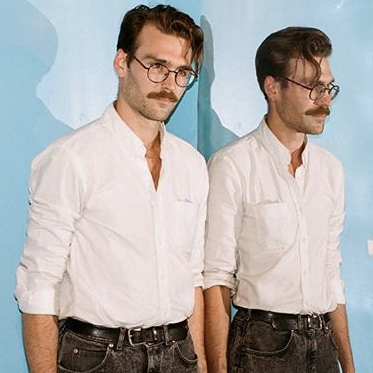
(168, 20)
(275, 52)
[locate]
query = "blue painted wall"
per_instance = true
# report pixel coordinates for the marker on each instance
(56, 74)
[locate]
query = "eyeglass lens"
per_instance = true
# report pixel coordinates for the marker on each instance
(319, 90)
(158, 73)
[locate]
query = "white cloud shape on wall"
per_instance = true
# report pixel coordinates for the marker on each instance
(81, 82)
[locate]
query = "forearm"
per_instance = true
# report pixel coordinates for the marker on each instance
(341, 337)
(217, 321)
(40, 337)
(196, 328)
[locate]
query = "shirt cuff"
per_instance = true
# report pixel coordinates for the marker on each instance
(198, 280)
(42, 302)
(338, 288)
(219, 279)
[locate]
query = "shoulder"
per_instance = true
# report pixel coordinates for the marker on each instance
(236, 151)
(77, 145)
(85, 137)
(324, 157)
(184, 150)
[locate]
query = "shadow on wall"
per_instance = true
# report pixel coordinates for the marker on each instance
(212, 135)
(28, 45)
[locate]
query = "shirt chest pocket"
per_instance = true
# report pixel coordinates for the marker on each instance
(272, 225)
(182, 223)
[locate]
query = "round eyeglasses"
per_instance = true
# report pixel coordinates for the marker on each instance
(157, 73)
(318, 90)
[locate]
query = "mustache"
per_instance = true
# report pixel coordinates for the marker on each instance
(163, 94)
(321, 110)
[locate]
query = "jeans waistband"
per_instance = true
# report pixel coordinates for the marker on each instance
(136, 336)
(286, 321)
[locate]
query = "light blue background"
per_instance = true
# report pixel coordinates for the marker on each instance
(56, 74)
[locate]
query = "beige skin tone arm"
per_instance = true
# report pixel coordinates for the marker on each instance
(217, 321)
(341, 337)
(196, 328)
(40, 337)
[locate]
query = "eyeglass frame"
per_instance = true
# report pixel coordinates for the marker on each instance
(334, 88)
(192, 73)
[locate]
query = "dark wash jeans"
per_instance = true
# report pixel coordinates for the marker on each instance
(80, 353)
(255, 347)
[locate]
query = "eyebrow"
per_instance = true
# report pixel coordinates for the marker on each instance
(326, 84)
(310, 84)
(149, 58)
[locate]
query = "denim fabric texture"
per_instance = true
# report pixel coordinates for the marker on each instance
(256, 347)
(80, 353)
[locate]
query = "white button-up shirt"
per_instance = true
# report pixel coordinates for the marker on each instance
(271, 237)
(103, 245)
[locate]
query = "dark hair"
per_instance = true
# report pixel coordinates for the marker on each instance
(305, 43)
(168, 20)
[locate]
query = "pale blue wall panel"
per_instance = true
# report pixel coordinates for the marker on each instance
(56, 73)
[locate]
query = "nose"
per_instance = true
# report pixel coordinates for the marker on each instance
(325, 99)
(170, 81)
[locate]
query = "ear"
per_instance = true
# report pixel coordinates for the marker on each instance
(271, 87)
(120, 62)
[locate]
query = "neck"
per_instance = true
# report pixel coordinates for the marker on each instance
(290, 138)
(154, 144)
(145, 129)
(296, 159)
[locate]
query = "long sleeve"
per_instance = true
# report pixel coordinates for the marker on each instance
(55, 195)
(334, 258)
(224, 218)
(197, 253)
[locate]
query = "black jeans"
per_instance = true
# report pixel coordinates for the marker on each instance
(81, 353)
(256, 347)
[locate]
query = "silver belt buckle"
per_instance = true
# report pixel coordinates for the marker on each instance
(129, 334)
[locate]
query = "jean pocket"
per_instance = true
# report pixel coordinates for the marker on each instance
(262, 339)
(231, 337)
(82, 355)
(333, 343)
(185, 351)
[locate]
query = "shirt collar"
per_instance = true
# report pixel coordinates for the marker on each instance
(128, 140)
(276, 148)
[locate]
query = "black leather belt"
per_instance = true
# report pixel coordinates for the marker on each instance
(135, 336)
(286, 321)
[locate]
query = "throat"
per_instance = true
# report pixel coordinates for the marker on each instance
(153, 159)
(296, 159)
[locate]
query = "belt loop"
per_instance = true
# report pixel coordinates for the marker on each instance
(121, 337)
(325, 327)
(167, 337)
(248, 318)
(299, 321)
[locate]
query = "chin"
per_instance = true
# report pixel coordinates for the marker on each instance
(316, 131)
(157, 115)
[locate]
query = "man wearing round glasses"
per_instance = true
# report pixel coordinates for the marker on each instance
(117, 214)
(275, 215)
